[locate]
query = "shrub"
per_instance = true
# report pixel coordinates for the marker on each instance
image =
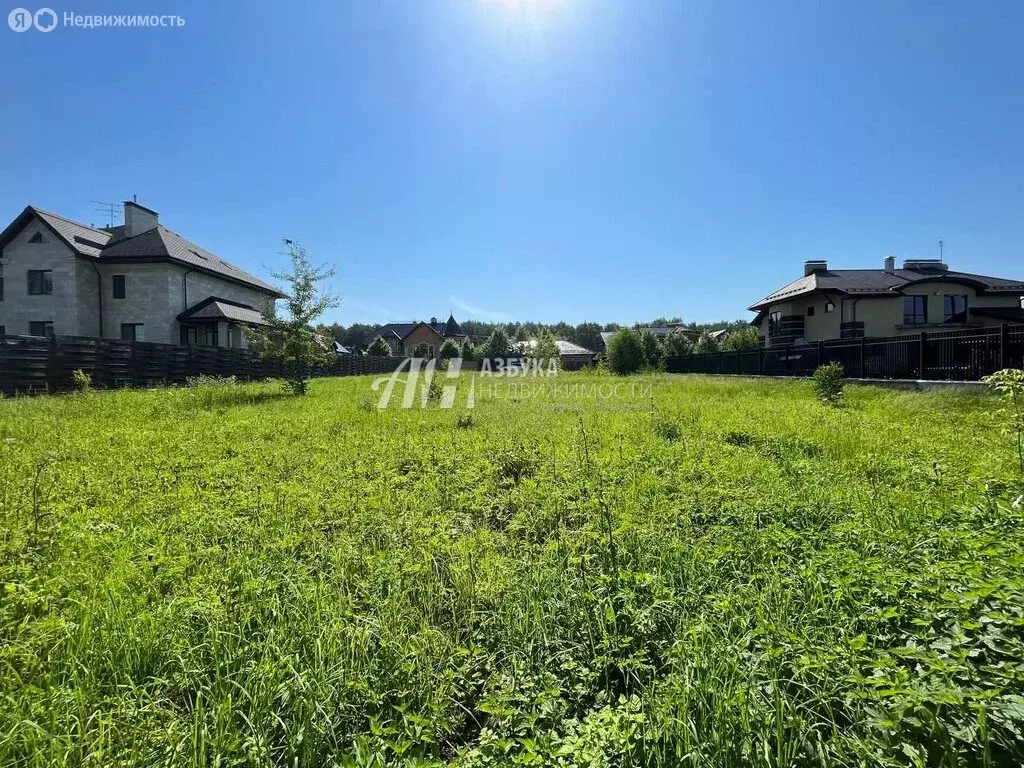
(654, 355)
(80, 380)
(828, 383)
(545, 348)
(379, 348)
(1009, 383)
(743, 338)
(464, 421)
(705, 345)
(469, 352)
(448, 350)
(677, 345)
(203, 381)
(626, 352)
(497, 345)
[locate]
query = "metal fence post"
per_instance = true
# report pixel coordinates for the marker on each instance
(789, 359)
(921, 353)
(1004, 346)
(863, 358)
(760, 360)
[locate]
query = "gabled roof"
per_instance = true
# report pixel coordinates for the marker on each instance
(448, 329)
(159, 243)
(215, 308)
(861, 282)
(162, 243)
(568, 348)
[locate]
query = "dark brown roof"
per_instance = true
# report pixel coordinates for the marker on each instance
(448, 330)
(859, 282)
(158, 243)
(215, 308)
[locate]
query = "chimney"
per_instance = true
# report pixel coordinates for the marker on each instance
(890, 264)
(138, 218)
(810, 267)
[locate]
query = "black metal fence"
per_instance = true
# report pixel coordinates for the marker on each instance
(30, 364)
(961, 355)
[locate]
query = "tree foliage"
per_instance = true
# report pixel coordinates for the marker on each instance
(705, 345)
(448, 350)
(497, 345)
(293, 340)
(741, 338)
(677, 345)
(1009, 383)
(379, 348)
(626, 352)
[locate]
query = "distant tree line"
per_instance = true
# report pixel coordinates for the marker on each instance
(637, 349)
(586, 335)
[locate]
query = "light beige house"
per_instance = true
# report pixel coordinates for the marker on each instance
(850, 303)
(139, 281)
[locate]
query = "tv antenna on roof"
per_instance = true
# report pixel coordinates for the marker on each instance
(109, 209)
(941, 246)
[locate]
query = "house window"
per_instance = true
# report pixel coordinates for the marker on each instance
(774, 323)
(37, 238)
(132, 332)
(118, 286)
(915, 310)
(40, 328)
(954, 308)
(40, 282)
(189, 336)
(211, 335)
(430, 351)
(810, 311)
(829, 307)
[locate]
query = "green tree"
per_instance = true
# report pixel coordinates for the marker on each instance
(448, 350)
(292, 339)
(469, 351)
(379, 348)
(705, 345)
(653, 353)
(741, 338)
(677, 345)
(544, 347)
(497, 345)
(626, 352)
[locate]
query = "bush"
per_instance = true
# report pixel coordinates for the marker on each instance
(203, 381)
(379, 348)
(705, 345)
(677, 345)
(1009, 383)
(654, 355)
(448, 350)
(469, 352)
(80, 380)
(497, 345)
(828, 383)
(626, 352)
(743, 338)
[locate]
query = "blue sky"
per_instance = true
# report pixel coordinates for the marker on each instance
(537, 159)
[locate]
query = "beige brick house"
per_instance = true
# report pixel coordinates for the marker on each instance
(137, 281)
(849, 303)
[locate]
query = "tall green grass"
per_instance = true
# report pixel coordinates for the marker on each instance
(715, 573)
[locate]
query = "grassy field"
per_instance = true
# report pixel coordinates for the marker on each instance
(708, 573)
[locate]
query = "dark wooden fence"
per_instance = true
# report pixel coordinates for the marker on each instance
(30, 364)
(961, 355)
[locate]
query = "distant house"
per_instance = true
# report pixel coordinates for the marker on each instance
(661, 331)
(139, 281)
(720, 335)
(417, 339)
(850, 303)
(571, 357)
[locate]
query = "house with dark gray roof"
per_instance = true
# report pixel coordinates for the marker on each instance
(138, 281)
(417, 338)
(925, 294)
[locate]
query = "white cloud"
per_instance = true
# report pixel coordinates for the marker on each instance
(477, 313)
